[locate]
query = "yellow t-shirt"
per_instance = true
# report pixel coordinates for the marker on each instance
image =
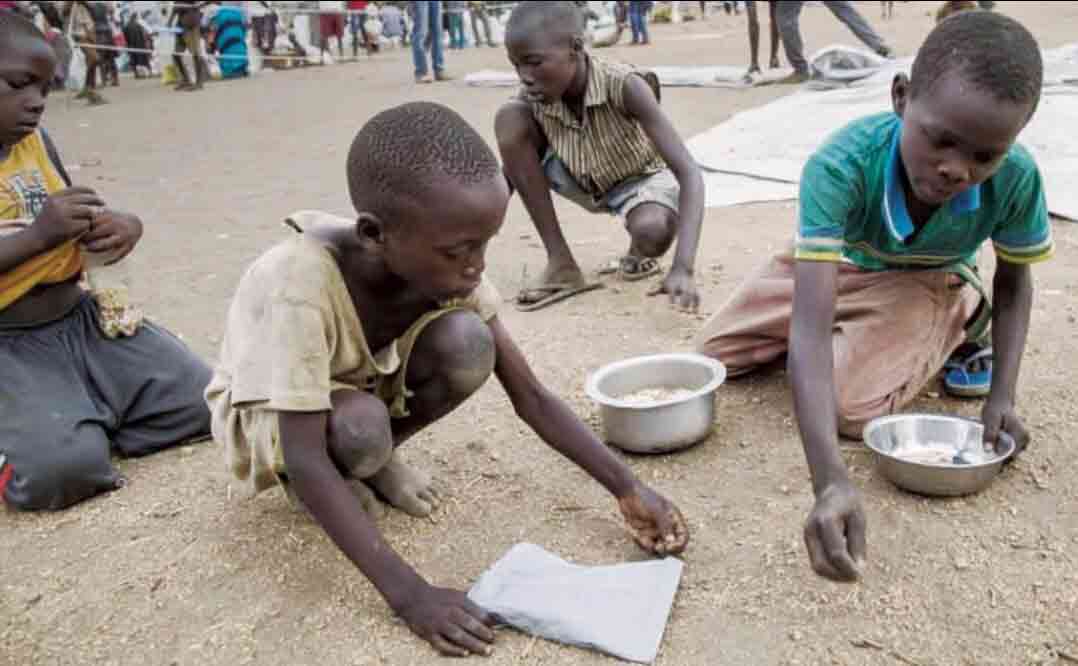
(27, 177)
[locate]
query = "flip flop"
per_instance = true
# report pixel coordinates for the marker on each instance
(963, 379)
(554, 293)
(632, 269)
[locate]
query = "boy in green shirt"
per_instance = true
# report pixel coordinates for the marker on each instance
(881, 287)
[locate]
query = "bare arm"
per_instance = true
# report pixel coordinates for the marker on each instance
(835, 529)
(657, 524)
(323, 490)
(519, 142)
(641, 103)
(812, 370)
(1012, 295)
(446, 618)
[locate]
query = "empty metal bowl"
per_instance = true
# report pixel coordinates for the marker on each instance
(936, 454)
(664, 425)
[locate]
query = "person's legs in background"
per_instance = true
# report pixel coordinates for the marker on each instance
(848, 14)
(421, 11)
(788, 14)
(480, 17)
(634, 21)
(456, 30)
(437, 60)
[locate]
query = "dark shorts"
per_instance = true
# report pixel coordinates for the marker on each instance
(69, 396)
(331, 25)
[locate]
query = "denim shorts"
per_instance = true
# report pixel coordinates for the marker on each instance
(661, 188)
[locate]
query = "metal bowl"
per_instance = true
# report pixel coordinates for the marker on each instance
(661, 426)
(936, 454)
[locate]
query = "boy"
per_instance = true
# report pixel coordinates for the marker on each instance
(69, 392)
(347, 340)
(593, 131)
(882, 284)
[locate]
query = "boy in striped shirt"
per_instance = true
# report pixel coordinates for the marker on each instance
(593, 132)
(882, 284)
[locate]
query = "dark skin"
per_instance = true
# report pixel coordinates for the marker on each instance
(395, 272)
(27, 65)
(553, 66)
(948, 145)
(754, 38)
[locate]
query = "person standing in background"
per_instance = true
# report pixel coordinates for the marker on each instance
(357, 17)
(481, 18)
(264, 24)
(330, 24)
(638, 20)
(427, 15)
(454, 10)
(188, 16)
(394, 27)
(81, 27)
(788, 14)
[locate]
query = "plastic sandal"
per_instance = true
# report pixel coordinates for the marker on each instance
(962, 379)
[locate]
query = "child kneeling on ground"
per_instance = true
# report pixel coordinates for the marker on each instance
(593, 132)
(72, 387)
(347, 340)
(881, 287)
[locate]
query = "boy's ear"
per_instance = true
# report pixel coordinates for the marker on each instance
(370, 230)
(577, 45)
(900, 93)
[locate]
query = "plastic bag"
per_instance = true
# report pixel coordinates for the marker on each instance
(844, 63)
(620, 609)
(76, 70)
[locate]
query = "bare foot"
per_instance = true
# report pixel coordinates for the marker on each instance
(562, 274)
(406, 488)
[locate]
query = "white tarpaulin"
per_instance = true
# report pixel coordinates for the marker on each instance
(715, 76)
(774, 141)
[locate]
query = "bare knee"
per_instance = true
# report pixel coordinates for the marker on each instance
(360, 438)
(458, 348)
(652, 228)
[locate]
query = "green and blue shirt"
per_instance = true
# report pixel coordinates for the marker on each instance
(853, 207)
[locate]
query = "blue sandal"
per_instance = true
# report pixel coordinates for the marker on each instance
(969, 375)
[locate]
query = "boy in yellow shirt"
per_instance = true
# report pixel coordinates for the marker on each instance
(68, 392)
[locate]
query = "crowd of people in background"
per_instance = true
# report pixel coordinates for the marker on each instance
(97, 39)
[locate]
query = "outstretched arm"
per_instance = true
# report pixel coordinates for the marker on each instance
(446, 618)
(835, 531)
(1012, 298)
(657, 525)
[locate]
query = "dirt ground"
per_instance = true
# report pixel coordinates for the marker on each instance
(176, 569)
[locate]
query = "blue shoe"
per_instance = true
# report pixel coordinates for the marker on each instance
(969, 374)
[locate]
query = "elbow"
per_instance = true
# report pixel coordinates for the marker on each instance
(530, 404)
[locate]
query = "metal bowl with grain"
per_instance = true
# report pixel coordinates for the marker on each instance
(936, 455)
(659, 403)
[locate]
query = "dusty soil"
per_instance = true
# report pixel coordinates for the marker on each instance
(176, 569)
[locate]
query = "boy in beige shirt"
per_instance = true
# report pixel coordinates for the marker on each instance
(347, 340)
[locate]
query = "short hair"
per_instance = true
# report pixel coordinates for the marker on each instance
(550, 17)
(401, 152)
(992, 52)
(13, 26)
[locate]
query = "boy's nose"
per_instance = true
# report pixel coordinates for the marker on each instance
(955, 172)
